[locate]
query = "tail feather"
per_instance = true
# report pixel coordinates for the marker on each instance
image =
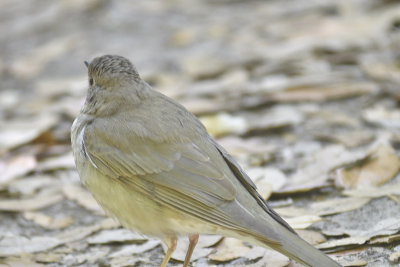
(297, 249)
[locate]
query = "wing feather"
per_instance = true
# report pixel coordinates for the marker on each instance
(195, 177)
(182, 167)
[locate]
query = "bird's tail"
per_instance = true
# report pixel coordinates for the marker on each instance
(293, 246)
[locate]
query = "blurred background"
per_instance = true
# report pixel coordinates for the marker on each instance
(304, 94)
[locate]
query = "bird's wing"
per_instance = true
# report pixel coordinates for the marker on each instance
(191, 177)
(174, 167)
(249, 185)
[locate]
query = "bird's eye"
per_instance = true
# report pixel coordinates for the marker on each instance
(91, 81)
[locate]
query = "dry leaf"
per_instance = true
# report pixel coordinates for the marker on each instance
(272, 258)
(381, 166)
(266, 180)
(277, 117)
(47, 221)
(395, 257)
(302, 188)
(326, 207)
(385, 239)
(334, 118)
(264, 189)
(253, 145)
(272, 176)
(223, 123)
(34, 203)
(201, 106)
(31, 184)
(229, 249)
(200, 67)
(223, 85)
(354, 263)
(115, 235)
(368, 221)
(255, 253)
(311, 237)
(374, 192)
(16, 245)
(129, 261)
(316, 167)
(320, 94)
(90, 257)
(302, 222)
(16, 167)
(82, 197)
(383, 117)
(20, 263)
(79, 233)
(133, 249)
(61, 162)
(24, 130)
(350, 139)
(347, 241)
(48, 257)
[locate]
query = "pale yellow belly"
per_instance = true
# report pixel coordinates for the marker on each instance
(140, 213)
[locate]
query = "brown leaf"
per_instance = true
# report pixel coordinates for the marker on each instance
(229, 249)
(315, 169)
(381, 166)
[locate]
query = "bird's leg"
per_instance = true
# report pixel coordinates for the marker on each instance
(192, 243)
(171, 243)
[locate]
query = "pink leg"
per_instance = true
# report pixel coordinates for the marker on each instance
(192, 243)
(171, 243)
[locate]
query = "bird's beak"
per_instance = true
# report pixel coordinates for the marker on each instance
(86, 63)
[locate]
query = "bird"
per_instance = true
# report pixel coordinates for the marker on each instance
(151, 164)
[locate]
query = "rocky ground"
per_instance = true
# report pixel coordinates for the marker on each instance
(304, 94)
